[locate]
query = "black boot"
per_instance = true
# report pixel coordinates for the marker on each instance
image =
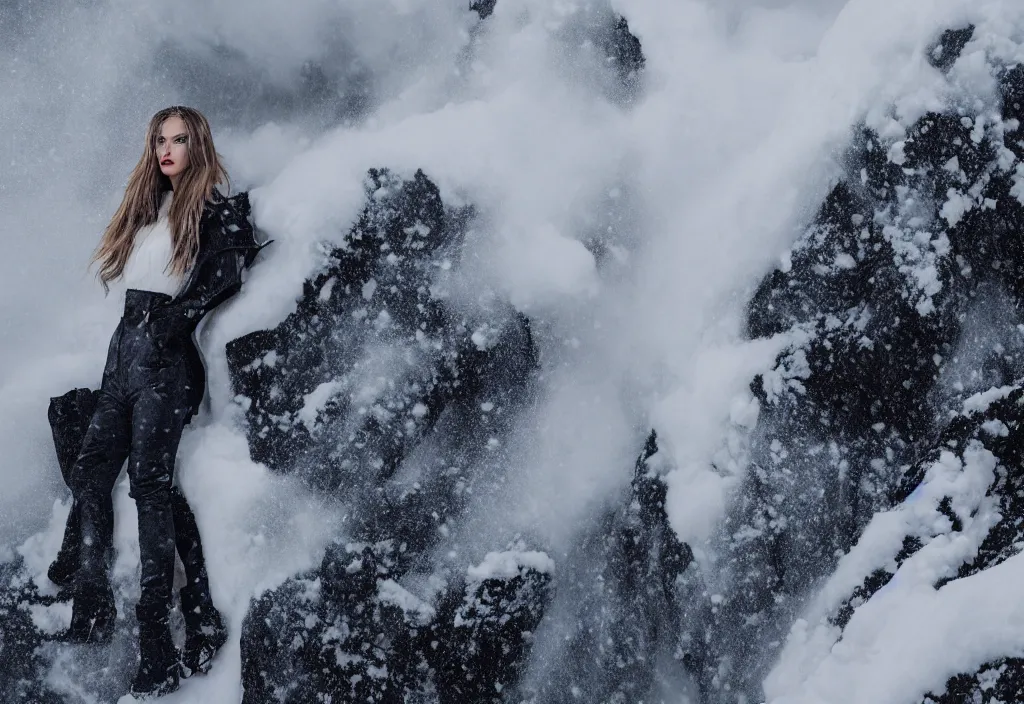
(64, 567)
(69, 417)
(159, 667)
(93, 615)
(205, 632)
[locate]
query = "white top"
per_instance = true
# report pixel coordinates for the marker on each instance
(147, 268)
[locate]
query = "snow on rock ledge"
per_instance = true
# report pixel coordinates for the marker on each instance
(903, 434)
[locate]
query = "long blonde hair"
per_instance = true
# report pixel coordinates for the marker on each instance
(146, 186)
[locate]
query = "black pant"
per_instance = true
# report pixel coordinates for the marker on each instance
(70, 416)
(141, 410)
(186, 537)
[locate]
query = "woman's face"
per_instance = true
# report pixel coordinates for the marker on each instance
(172, 148)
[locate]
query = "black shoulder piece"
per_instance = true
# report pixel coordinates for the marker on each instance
(240, 203)
(237, 228)
(231, 227)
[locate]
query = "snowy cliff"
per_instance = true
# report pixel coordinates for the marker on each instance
(608, 351)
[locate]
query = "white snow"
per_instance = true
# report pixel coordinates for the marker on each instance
(315, 401)
(391, 592)
(510, 563)
(979, 402)
(909, 637)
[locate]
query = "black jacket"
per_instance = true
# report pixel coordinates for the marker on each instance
(227, 246)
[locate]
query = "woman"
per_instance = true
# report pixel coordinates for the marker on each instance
(178, 247)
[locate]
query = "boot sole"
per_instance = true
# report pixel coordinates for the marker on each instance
(97, 635)
(206, 664)
(172, 684)
(154, 693)
(63, 578)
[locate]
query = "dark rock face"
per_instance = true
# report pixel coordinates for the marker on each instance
(484, 8)
(990, 433)
(41, 670)
(480, 644)
(946, 51)
(614, 47)
(23, 672)
(623, 48)
(351, 633)
(597, 25)
(381, 346)
(996, 683)
(350, 628)
(621, 588)
(982, 444)
(901, 303)
(405, 365)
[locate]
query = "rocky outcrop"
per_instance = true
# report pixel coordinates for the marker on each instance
(351, 631)
(358, 626)
(24, 671)
(898, 392)
(995, 683)
(898, 307)
(621, 586)
(379, 350)
(597, 26)
(379, 359)
(484, 8)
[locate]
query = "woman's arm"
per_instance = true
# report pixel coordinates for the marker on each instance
(218, 278)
